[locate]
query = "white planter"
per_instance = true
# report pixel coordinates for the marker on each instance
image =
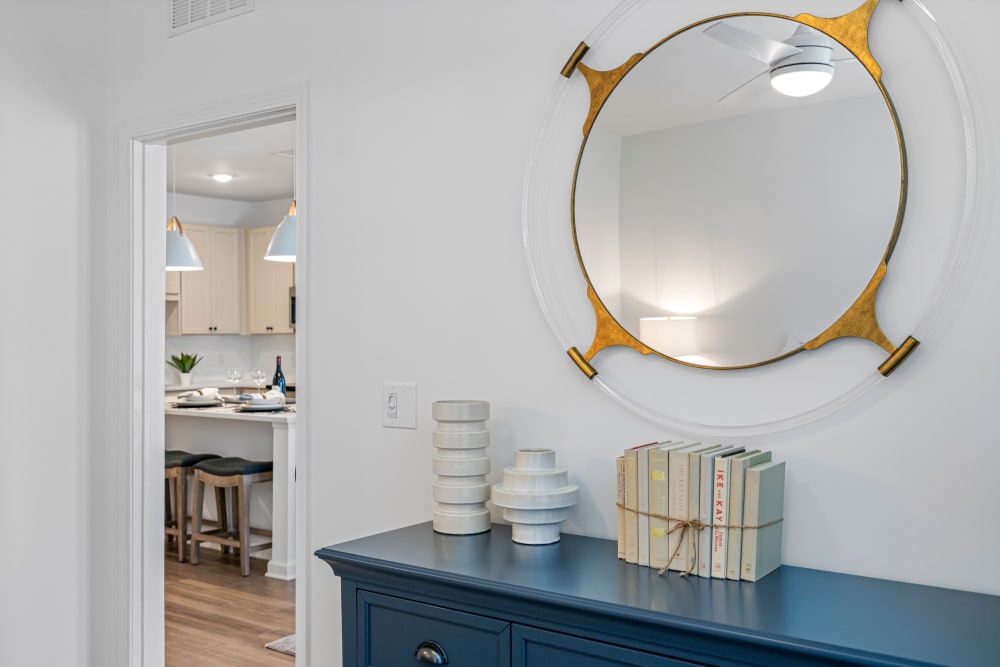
(461, 466)
(185, 379)
(535, 496)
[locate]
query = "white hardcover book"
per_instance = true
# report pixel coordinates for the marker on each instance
(720, 515)
(734, 545)
(705, 507)
(632, 503)
(694, 501)
(763, 509)
(643, 500)
(659, 467)
(679, 479)
(620, 478)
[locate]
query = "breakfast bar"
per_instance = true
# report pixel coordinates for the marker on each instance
(254, 435)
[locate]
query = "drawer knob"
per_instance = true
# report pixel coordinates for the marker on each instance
(431, 653)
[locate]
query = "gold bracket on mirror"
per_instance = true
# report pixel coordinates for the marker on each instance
(851, 30)
(860, 320)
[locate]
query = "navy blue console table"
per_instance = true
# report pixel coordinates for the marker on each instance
(412, 596)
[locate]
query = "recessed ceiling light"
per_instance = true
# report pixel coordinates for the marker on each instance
(222, 178)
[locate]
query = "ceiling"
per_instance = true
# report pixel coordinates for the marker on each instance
(683, 80)
(259, 159)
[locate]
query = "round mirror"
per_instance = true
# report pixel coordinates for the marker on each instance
(721, 222)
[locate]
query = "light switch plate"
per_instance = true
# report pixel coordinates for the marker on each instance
(399, 404)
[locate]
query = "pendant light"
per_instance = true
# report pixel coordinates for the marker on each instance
(181, 253)
(282, 245)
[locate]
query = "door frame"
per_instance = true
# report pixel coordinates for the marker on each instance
(141, 153)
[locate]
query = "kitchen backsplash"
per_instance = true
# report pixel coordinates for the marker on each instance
(224, 352)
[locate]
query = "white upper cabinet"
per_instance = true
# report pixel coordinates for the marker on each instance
(267, 285)
(210, 299)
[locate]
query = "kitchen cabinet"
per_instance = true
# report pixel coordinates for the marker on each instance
(173, 285)
(211, 299)
(267, 285)
(413, 596)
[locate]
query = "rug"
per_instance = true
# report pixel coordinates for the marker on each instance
(284, 645)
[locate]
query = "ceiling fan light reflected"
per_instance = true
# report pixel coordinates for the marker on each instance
(802, 79)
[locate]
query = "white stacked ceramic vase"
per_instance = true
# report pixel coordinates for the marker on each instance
(461, 466)
(535, 496)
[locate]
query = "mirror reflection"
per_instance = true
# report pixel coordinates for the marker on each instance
(724, 223)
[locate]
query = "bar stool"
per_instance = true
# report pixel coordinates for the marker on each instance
(176, 471)
(236, 474)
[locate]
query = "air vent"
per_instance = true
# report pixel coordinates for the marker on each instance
(187, 15)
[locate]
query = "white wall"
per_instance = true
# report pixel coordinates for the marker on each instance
(52, 184)
(422, 118)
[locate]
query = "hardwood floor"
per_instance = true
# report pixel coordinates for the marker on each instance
(214, 616)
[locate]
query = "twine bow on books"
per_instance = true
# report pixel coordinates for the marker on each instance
(691, 527)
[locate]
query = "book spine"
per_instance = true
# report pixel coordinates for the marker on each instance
(705, 516)
(677, 478)
(631, 503)
(658, 504)
(620, 477)
(643, 498)
(764, 494)
(737, 476)
(692, 535)
(720, 516)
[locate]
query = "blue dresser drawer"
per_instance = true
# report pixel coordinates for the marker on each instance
(540, 648)
(392, 630)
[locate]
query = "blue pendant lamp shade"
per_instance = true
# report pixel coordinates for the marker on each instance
(282, 245)
(181, 253)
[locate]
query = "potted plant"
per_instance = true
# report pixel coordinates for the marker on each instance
(184, 363)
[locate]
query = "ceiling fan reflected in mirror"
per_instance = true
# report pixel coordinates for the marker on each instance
(799, 66)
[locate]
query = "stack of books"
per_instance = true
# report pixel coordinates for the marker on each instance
(711, 510)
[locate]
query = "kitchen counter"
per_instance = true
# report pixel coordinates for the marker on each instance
(223, 431)
(287, 416)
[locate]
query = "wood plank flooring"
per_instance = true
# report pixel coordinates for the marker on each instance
(214, 616)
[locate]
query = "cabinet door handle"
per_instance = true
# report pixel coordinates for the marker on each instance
(431, 653)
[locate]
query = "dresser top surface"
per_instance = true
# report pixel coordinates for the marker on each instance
(918, 624)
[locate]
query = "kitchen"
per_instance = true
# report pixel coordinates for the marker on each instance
(236, 314)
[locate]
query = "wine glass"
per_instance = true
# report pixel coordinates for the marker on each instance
(234, 375)
(259, 377)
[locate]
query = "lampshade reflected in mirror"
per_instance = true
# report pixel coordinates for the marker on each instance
(282, 245)
(674, 335)
(181, 253)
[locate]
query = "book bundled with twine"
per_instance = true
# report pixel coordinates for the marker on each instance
(711, 510)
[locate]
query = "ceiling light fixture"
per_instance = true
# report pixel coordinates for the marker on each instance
(181, 253)
(222, 178)
(807, 72)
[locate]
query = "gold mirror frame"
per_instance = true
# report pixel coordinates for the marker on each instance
(860, 319)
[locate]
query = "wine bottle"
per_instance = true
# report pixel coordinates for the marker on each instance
(278, 382)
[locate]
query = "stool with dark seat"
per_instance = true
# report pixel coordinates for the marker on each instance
(236, 474)
(176, 471)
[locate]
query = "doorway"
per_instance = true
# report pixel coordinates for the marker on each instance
(147, 197)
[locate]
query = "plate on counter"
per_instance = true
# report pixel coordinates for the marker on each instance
(274, 407)
(198, 403)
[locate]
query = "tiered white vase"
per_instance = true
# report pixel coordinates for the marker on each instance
(461, 466)
(535, 496)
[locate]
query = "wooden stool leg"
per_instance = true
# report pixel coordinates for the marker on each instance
(244, 507)
(181, 491)
(222, 515)
(199, 503)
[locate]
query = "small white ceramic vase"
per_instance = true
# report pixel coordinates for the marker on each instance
(185, 379)
(535, 496)
(461, 466)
